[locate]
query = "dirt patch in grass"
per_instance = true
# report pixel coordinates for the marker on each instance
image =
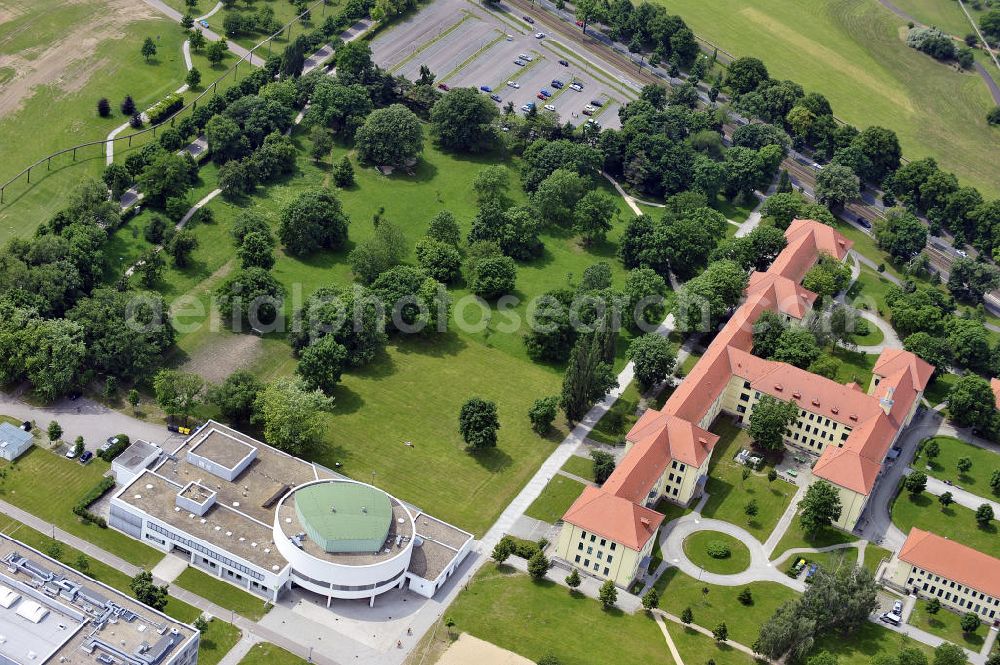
(224, 355)
(65, 64)
(469, 649)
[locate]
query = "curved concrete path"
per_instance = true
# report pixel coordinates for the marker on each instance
(110, 145)
(216, 8)
(890, 340)
(759, 570)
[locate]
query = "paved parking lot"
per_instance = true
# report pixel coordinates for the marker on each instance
(465, 45)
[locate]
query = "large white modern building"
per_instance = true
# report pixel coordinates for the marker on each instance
(50, 613)
(266, 521)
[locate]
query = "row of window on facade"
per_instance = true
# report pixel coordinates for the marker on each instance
(197, 547)
(600, 553)
(596, 567)
(593, 539)
(930, 586)
(803, 414)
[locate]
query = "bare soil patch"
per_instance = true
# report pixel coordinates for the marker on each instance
(468, 649)
(223, 356)
(68, 62)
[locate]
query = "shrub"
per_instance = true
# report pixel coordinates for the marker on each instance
(931, 41)
(718, 549)
(113, 451)
(95, 493)
(165, 108)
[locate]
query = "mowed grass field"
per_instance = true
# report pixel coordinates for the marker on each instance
(497, 605)
(853, 52)
(48, 485)
(414, 390)
(944, 14)
(66, 57)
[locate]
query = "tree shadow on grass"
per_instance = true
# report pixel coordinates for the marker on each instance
(493, 460)
(381, 367)
(435, 345)
(346, 400)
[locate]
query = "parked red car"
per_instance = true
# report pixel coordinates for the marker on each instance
(579, 24)
(444, 86)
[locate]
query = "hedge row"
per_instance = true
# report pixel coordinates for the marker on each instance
(111, 452)
(95, 493)
(165, 108)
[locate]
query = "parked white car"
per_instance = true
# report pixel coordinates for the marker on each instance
(513, 84)
(549, 107)
(576, 86)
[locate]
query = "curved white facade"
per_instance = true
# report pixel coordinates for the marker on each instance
(328, 577)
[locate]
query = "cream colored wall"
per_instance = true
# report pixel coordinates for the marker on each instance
(952, 594)
(810, 432)
(680, 477)
(624, 562)
(851, 505)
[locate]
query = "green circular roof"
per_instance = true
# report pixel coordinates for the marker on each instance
(344, 516)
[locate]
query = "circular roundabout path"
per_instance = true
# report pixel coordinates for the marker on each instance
(760, 569)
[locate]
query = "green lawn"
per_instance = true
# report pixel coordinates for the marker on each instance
(380, 406)
(678, 591)
(497, 606)
(555, 499)
(696, 648)
(944, 466)
(222, 593)
(615, 424)
(794, 537)
(853, 52)
(943, 14)
(60, 111)
(265, 653)
(829, 561)
(696, 548)
(862, 647)
(955, 522)
(580, 466)
(217, 641)
(28, 485)
(940, 385)
(947, 625)
(874, 336)
(729, 493)
(874, 555)
(869, 292)
(689, 363)
(854, 366)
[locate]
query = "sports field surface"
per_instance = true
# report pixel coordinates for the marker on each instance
(853, 52)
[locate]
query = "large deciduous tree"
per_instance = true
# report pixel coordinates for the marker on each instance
(315, 220)
(390, 136)
(653, 358)
(465, 121)
(769, 420)
(820, 507)
(478, 423)
(291, 415)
